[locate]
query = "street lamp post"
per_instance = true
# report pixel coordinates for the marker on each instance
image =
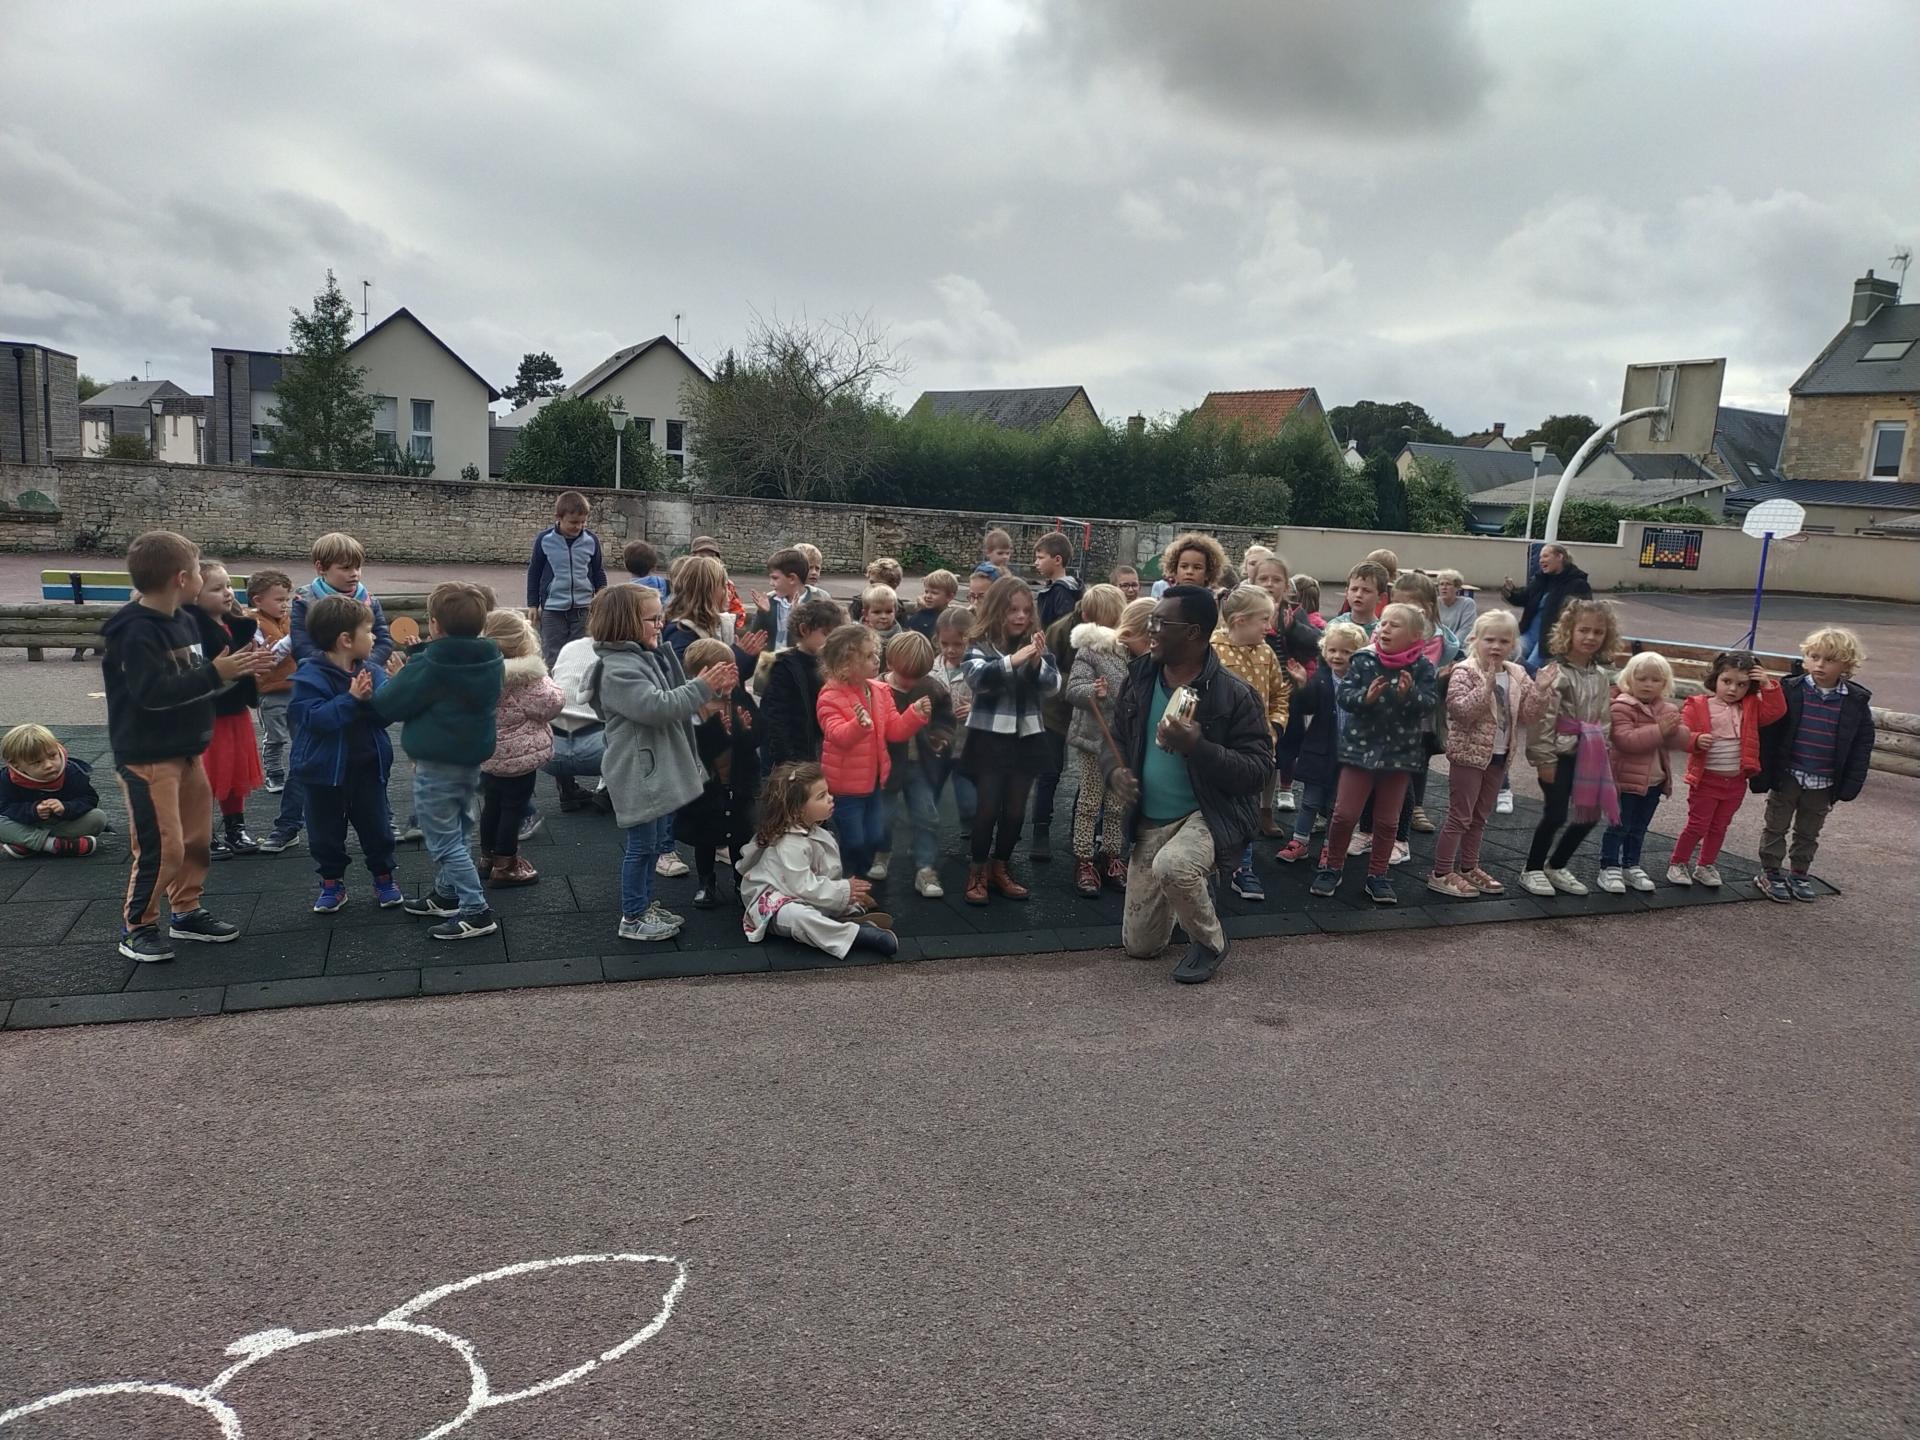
(619, 417)
(1539, 449)
(153, 444)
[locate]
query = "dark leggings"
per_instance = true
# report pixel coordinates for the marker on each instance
(1002, 806)
(502, 808)
(1557, 797)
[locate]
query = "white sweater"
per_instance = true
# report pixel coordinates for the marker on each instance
(802, 865)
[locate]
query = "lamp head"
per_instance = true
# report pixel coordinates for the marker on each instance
(1539, 450)
(619, 417)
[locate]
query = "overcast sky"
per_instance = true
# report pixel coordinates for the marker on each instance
(1489, 208)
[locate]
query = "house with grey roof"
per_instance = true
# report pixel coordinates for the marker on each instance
(1855, 413)
(167, 419)
(1480, 468)
(1030, 409)
(1622, 479)
(650, 381)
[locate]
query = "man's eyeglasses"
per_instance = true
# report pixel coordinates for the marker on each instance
(1155, 625)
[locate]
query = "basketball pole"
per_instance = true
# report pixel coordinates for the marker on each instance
(1759, 589)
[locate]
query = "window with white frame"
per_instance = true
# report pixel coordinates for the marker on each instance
(676, 448)
(1887, 350)
(420, 443)
(386, 425)
(1889, 441)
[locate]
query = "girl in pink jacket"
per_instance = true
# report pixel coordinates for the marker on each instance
(523, 742)
(1644, 727)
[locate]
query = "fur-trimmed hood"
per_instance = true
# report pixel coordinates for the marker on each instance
(1089, 636)
(525, 669)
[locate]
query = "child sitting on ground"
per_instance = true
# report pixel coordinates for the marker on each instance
(1314, 721)
(1725, 722)
(789, 707)
(1816, 756)
(269, 596)
(1568, 748)
(341, 754)
(48, 805)
(233, 757)
(917, 762)
(1100, 664)
(726, 737)
(522, 743)
(857, 723)
(790, 881)
(937, 592)
(1643, 727)
(1241, 646)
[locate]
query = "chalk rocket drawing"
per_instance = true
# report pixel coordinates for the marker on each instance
(250, 1350)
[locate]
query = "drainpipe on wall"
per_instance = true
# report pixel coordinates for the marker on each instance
(20, 396)
(229, 360)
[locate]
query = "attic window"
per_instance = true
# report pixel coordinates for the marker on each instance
(1888, 350)
(1753, 466)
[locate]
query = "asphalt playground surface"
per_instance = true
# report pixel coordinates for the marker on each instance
(1645, 1173)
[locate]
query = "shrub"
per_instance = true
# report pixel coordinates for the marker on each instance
(1597, 522)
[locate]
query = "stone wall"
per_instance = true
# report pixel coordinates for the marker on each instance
(1828, 435)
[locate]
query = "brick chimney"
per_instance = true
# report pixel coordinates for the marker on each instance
(1136, 424)
(1869, 294)
(1499, 429)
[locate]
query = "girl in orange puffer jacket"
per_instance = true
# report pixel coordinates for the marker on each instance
(1726, 724)
(857, 722)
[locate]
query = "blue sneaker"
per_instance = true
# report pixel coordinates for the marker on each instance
(1802, 887)
(278, 840)
(387, 894)
(333, 895)
(1380, 890)
(1325, 882)
(1247, 885)
(1773, 885)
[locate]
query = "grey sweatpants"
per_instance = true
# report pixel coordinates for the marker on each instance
(40, 838)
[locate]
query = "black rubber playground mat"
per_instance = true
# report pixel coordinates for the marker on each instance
(60, 919)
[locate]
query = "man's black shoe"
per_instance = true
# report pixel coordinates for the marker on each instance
(1197, 967)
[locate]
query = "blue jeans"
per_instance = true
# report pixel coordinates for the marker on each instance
(861, 823)
(919, 809)
(1620, 845)
(442, 800)
(1315, 801)
(646, 843)
(293, 799)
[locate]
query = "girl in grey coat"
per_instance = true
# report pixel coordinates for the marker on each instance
(650, 767)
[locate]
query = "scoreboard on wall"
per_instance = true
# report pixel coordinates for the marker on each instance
(1669, 547)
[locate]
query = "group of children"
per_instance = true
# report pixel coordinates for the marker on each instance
(794, 743)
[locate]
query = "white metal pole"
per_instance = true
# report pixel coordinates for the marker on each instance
(1533, 490)
(617, 438)
(1580, 458)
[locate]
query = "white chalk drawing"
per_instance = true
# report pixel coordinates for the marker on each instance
(250, 1350)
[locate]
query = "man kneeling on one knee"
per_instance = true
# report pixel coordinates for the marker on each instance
(1195, 750)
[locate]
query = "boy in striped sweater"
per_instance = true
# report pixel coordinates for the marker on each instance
(1817, 755)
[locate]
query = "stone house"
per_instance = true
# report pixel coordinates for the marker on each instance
(1855, 414)
(1262, 414)
(1031, 409)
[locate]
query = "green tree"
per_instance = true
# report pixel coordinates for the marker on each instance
(1389, 491)
(125, 447)
(1386, 425)
(89, 387)
(538, 378)
(323, 416)
(1436, 502)
(1597, 522)
(1563, 434)
(569, 444)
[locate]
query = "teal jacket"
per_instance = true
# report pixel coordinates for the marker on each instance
(447, 696)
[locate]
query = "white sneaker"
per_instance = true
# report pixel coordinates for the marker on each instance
(645, 927)
(878, 870)
(1360, 844)
(1679, 875)
(1284, 801)
(1566, 882)
(1503, 803)
(1402, 852)
(1638, 878)
(1535, 882)
(1613, 880)
(926, 884)
(1707, 875)
(670, 865)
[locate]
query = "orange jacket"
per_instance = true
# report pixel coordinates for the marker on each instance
(1760, 707)
(855, 755)
(280, 677)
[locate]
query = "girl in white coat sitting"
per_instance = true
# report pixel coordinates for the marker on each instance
(790, 872)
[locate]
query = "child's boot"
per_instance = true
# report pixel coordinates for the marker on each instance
(238, 840)
(872, 937)
(1001, 879)
(976, 893)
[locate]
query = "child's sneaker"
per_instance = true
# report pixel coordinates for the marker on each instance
(1453, 884)
(876, 939)
(274, 787)
(200, 925)
(1284, 801)
(412, 831)
(646, 927)
(1535, 882)
(1421, 822)
(434, 904)
(1802, 887)
(1086, 878)
(1503, 803)
(1292, 852)
(1116, 873)
(1678, 874)
(73, 847)
(333, 895)
(1247, 885)
(1566, 882)
(1707, 875)
(1380, 890)
(386, 894)
(1638, 878)
(1325, 882)
(878, 869)
(465, 927)
(278, 840)
(1402, 852)
(1773, 885)
(530, 826)
(1613, 880)
(660, 912)
(1360, 844)
(926, 883)
(16, 852)
(145, 945)
(670, 866)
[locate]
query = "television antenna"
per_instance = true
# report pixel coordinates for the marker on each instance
(365, 286)
(1902, 258)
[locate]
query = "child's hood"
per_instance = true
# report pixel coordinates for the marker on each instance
(525, 669)
(1089, 636)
